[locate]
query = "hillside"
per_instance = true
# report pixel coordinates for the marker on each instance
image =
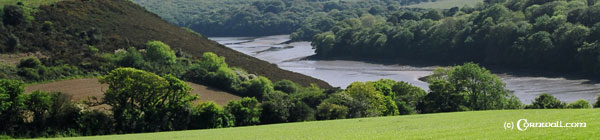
(91, 87)
(114, 24)
(458, 125)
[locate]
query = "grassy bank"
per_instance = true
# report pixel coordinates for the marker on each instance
(458, 125)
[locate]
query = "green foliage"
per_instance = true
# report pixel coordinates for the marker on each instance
(286, 86)
(160, 52)
(546, 101)
(328, 111)
(13, 15)
(142, 101)
(210, 115)
(95, 122)
(301, 112)
(407, 97)
(259, 86)
(367, 94)
(517, 34)
(246, 111)
(467, 87)
(579, 104)
(270, 17)
(12, 105)
(275, 108)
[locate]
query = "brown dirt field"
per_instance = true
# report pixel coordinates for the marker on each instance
(82, 88)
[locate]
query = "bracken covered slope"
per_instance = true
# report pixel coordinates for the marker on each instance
(118, 24)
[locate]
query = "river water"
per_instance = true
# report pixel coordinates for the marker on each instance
(340, 73)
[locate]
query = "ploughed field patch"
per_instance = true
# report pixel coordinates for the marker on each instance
(86, 87)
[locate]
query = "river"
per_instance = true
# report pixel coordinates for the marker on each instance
(341, 73)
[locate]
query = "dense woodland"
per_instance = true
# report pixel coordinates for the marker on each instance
(547, 35)
(262, 17)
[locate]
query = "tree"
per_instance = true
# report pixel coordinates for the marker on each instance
(160, 52)
(483, 90)
(142, 101)
(407, 97)
(246, 111)
(546, 101)
(442, 98)
(12, 105)
(433, 14)
(259, 86)
(300, 111)
(275, 108)
(366, 93)
(580, 104)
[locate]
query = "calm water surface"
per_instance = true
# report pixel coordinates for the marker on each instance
(341, 73)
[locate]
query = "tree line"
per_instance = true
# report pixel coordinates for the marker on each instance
(143, 101)
(559, 36)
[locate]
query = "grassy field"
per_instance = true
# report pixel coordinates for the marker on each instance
(458, 125)
(446, 4)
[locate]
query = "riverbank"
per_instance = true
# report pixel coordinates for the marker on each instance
(340, 72)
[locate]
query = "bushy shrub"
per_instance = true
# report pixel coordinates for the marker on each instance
(210, 115)
(286, 86)
(580, 104)
(31, 62)
(258, 87)
(47, 26)
(95, 122)
(13, 15)
(329, 111)
(160, 52)
(546, 101)
(246, 111)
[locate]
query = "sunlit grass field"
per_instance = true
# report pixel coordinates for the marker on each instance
(446, 4)
(458, 125)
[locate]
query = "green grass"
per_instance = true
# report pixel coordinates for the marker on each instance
(458, 125)
(446, 4)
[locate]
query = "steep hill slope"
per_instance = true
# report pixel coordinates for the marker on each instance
(113, 24)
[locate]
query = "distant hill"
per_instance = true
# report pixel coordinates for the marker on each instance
(115, 24)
